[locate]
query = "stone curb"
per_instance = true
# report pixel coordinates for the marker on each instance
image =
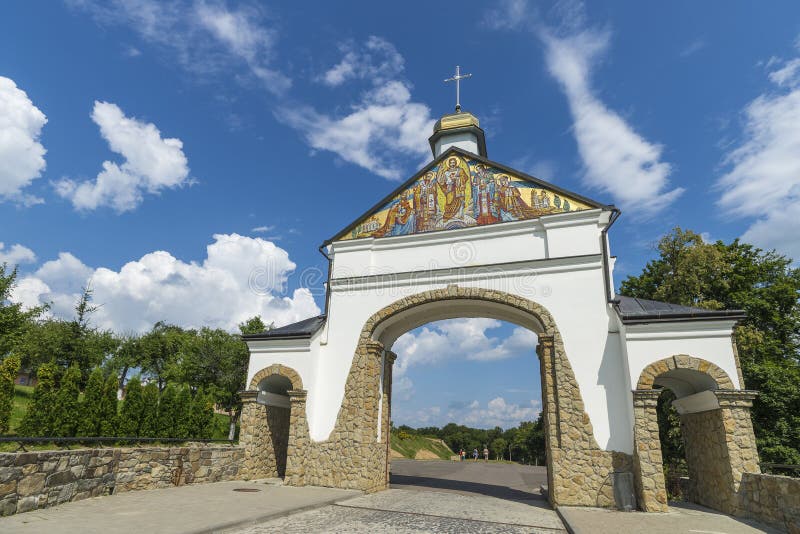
(252, 521)
(563, 519)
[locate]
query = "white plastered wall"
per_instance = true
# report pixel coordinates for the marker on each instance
(708, 340)
(555, 261)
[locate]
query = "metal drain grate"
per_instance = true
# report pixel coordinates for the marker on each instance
(246, 490)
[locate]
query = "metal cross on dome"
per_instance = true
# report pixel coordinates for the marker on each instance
(457, 78)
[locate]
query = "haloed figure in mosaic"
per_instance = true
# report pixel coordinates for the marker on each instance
(461, 191)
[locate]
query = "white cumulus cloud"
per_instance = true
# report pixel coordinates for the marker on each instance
(152, 163)
(382, 128)
(21, 153)
(217, 292)
(456, 339)
(496, 412)
(16, 254)
(763, 171)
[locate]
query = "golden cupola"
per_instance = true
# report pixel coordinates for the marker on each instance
(461, 129)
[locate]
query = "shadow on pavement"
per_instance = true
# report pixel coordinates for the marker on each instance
(490, 490)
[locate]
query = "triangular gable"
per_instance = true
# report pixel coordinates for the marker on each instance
(460, 190)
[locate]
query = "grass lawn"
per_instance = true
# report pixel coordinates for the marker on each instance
(22, 397)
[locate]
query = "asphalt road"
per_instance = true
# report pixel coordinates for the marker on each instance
(504, 481)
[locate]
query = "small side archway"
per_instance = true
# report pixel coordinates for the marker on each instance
(715, 425)
(269, 411)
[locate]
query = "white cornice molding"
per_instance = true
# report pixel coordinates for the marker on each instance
(678, 329)
(266, 346)
(489, 231)
(468, 273)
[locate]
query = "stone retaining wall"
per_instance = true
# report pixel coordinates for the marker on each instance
(772, 499)
(34, 480)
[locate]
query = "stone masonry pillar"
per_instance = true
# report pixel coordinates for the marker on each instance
(720, 448)
(250, 433)
(647, 461)
(386, 407)
(545, 350)
(299, 439)
(371, 459)
(739, 435)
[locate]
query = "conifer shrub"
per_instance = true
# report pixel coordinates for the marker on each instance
(149, 428)
(66, 414)
(167, 406)
(132, 412)
(109, 416)
(183, 409)
(91, 416)
(201, 424)
(38, 420)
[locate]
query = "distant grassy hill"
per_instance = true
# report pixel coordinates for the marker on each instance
(419, 447)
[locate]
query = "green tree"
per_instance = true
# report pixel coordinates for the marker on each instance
(67, 342)
(14, 321)
(764, 284)
(42, 341)
(150, 419)
(38, 419)
(9, 368)
(669, 428)
(132, 412)
(66, 413)
(160, 351)
(217, 361)
(123, 358)
(167, 413)
(91, 407)
(109, 417)
(254, 325)
(498, 448)
(529, 441)
(85, 346)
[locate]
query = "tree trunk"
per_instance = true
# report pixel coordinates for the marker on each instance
(122, 376)
(234, 416)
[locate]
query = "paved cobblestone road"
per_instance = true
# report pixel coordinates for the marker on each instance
(436, 497)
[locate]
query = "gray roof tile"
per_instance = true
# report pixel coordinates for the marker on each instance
(300, 329)
(635, 310)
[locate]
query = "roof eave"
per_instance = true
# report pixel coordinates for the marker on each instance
(724, 315)
(266, 336)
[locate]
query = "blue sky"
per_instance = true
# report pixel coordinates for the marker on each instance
(190, 158)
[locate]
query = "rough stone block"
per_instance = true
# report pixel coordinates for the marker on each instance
(27, 504)
(62, 477)
(31, 484)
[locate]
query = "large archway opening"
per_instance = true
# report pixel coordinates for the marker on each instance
(579, 472)
(468, 386)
